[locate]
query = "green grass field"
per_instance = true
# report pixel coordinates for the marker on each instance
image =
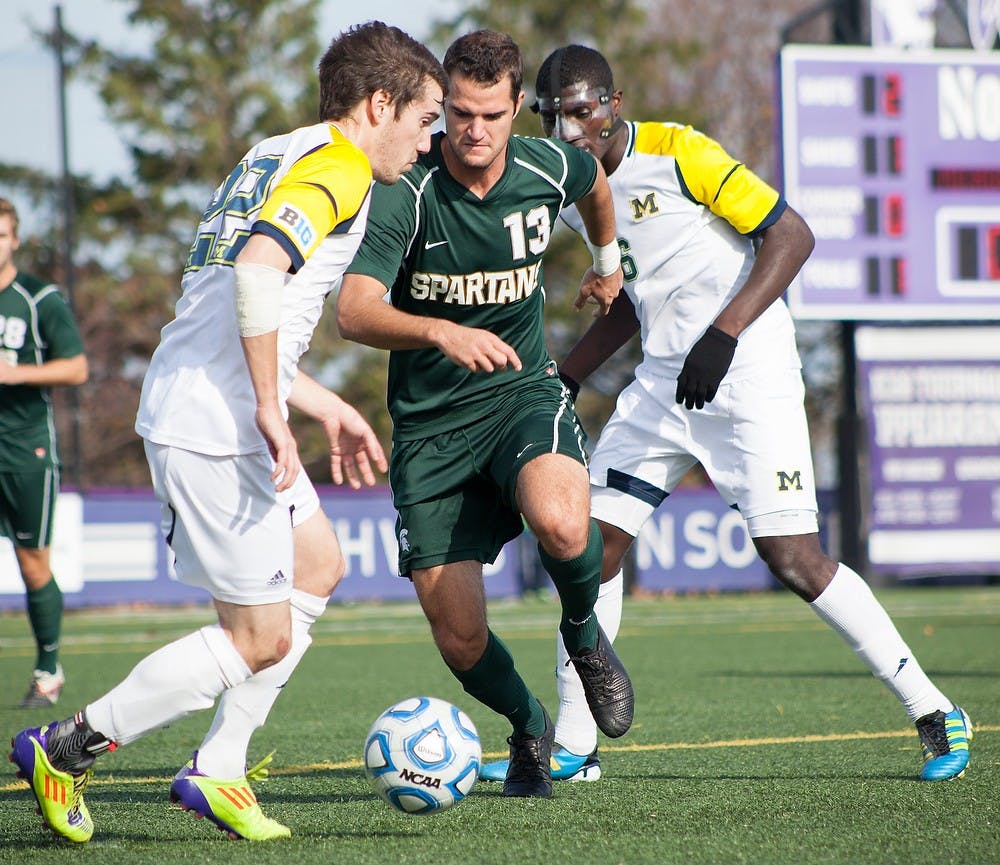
(758, 738)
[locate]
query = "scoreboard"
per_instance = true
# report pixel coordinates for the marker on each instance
(893, 159)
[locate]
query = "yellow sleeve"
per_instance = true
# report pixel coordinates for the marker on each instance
(323, 189)
(710, 176)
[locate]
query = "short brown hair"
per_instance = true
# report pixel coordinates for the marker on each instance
(374, 56)
(8, 209)
(486, 56)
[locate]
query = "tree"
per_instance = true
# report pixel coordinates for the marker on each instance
(205, 80)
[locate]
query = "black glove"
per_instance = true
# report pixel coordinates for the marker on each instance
(704, 368)
(570, 384)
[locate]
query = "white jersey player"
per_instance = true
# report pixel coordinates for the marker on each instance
(240, 516)
(719, 383)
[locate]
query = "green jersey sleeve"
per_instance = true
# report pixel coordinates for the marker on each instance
(58, 329)
(390, 231)
(581, 170)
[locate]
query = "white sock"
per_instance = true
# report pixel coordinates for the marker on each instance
(182, 677)
(223, 752)
(848, 606)
(575, 727)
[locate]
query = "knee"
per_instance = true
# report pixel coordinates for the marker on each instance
(35, 570)
(270, 653)
(323, 582)
(461, 650)
(563, 537)
(805, 570)
(262, 649)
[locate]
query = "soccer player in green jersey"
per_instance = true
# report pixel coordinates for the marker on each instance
(483, 429)
(40, 347)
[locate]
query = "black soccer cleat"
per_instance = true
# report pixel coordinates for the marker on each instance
(606, 685)
(530, 771)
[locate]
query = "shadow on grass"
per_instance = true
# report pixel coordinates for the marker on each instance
(860, 673)
(778, 776)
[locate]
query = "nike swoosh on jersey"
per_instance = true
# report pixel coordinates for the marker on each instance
(429, 245)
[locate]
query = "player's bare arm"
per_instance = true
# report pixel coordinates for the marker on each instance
(603, 338)
(260, 274)
(355, 451)
(363, 316)
(52, 373)
(784, 249)
(602, 282)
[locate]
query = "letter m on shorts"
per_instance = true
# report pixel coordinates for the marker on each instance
(791, 481)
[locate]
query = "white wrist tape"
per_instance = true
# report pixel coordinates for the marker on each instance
(607, 258)
(259, 290)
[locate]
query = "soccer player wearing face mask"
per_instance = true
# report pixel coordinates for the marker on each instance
(719, 383)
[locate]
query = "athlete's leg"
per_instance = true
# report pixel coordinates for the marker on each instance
(28, 503)
(845, 602)
(238, 554)
(190, 673)
(44, 601)
(575, 727)
(553, 494)
(454, 601)
(319, 566)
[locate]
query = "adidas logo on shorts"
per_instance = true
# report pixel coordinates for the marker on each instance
(278, 579)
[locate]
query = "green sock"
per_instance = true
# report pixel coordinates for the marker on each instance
(495, 683)
(45, 606)
(578, 581)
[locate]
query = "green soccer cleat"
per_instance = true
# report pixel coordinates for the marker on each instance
(566, 766)
(230, 805)
(59, 794)
(944, 740)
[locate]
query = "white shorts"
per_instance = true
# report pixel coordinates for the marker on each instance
(752, 440)
(229, 531)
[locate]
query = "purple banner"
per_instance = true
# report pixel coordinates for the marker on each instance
(893, 158)
(931, 396)
(113, 538)
(694, 543)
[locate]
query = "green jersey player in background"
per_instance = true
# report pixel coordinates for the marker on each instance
(40, 347)
(483, 430)
(719, 383)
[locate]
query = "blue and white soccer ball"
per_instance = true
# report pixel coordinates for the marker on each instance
(422, 755)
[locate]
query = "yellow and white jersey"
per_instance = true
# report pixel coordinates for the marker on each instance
(309, 190)
(686, 212)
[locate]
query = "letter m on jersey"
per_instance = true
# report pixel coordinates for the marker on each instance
(646, 207)
(791, 481)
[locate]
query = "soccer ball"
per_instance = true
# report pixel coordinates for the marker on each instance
(422, 755)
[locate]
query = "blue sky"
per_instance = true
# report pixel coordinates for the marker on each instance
(28, 99)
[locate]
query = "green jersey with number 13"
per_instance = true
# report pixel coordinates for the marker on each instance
(446, 253)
